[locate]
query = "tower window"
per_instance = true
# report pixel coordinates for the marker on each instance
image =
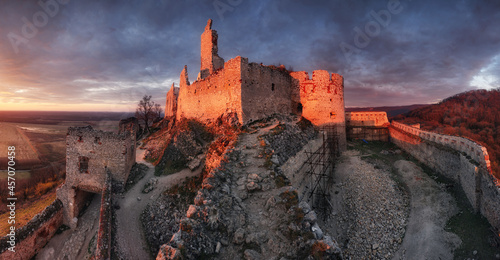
(272, 87)
(83, 164)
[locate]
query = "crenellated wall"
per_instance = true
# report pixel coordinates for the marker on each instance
(461, 144)
(320, 100)
(366, 118)
(457, 158)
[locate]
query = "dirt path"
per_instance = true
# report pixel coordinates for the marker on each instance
(431, 207)
(73, 244)
(130, 236)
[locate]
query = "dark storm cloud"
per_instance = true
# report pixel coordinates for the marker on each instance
(115, 51)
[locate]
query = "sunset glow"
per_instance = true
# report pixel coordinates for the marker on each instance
(85, 56)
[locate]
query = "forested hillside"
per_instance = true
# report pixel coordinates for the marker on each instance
(473, 114)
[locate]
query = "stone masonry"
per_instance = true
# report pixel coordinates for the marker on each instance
(89, 155)
(254, 91)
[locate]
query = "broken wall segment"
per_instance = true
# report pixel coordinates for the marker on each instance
(171, 103)
(89, 154)
(213, 96)
(460, 159)
(210, 60)
(35, 234)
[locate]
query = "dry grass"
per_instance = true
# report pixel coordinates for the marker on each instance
(14, 136)
(26, 212)
(19, 175)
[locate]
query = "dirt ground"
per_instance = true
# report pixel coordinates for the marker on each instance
(129, 233)
(430, 208)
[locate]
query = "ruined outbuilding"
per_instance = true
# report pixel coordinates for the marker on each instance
(254, 91)
(90, 155)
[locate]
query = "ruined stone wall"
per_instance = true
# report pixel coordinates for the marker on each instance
(210, 60)
(264, 91)
(457, 158)
(89, 154)
(171, 104)
(208, 98)
(103, 150)
(321, 100)
(35, 234)
(295, 170)
(103, 245)
(366, 118)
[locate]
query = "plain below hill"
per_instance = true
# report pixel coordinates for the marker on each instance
(474, 114)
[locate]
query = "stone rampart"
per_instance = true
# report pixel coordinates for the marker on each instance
(103, 246)
(213, 96)
(366, 118)
(460, 159)
(34, 235)
(321, 100)
(367, 125)
(295, 168)
(264, 91)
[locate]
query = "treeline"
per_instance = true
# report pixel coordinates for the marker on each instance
(42, 180)
(473, 114)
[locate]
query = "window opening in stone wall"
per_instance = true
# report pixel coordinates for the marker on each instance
(272, 87)
(299, 108)
(83, 164)
(97, 140)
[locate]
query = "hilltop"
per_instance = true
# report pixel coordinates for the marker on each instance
(474, 114)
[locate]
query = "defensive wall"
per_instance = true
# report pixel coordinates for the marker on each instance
(89, 155)
(213, 96)
(103, 245)
(367, 125)
(320, 100)
(35, 234)
(460, 159)
(254, 91)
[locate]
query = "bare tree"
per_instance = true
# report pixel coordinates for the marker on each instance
(147, 111)
(157, 109)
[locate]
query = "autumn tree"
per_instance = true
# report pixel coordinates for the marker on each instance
(147, 112)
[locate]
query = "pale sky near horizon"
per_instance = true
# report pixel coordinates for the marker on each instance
(105, 55)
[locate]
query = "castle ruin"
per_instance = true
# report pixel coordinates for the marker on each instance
(90, 155)
(254, 91)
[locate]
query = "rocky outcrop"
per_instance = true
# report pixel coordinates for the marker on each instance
(240, 212)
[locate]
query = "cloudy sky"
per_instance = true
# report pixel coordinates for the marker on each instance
(105, 55)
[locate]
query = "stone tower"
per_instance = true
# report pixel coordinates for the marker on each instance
(210, 60)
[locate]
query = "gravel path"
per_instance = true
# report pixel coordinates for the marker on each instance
(431, 207)
(131, 241)
(371, 220)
